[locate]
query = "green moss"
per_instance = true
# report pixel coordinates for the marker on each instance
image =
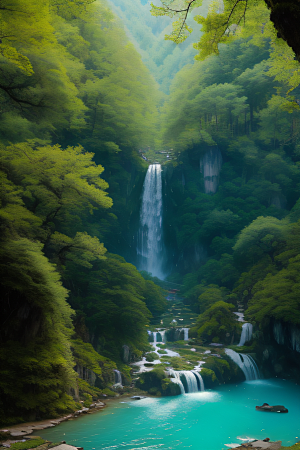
(31, 443)
(209, 378)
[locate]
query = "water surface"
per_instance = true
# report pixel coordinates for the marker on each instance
(205, 420)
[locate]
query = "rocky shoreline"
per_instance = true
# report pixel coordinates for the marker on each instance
(24, 432)
(25, 429)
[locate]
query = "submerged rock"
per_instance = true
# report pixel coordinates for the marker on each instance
(274, 408)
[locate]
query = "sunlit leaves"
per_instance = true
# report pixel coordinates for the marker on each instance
(21, 61)
(56, 181)
(179, 9)
(81, 250)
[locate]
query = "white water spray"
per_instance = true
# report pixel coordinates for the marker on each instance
(246, 363)
(246, 335)
(192, 379)
(186, 333)
(118, 378)
(150, 237)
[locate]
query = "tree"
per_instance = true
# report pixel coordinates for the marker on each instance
(36, 360)
(224, 20)
(276, 296)
(56, 183)
(265, 235)
(216, 322)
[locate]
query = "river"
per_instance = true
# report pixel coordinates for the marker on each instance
(204, 420)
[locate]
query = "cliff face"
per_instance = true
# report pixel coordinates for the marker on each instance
(286, 16)
(279, 351)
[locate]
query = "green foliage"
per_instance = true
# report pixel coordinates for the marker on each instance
(263, 236)
(85, 388)
(85, 355)
(150, 357)
(211, 295)
(216, 322)
(114, 305)
(208, 374)
(31, 443)
(154, 298)
(88, 400)
(37, 352)
(276, 296)
(108, 392)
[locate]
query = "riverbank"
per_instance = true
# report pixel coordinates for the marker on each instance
(27, 428)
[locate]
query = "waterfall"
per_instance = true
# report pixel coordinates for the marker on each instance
(150, 239)
(246, 335)
(186, 333)
(210, 166)
(246, 363)
(162, 333)
(175, 377)
(155, 334)
(200, 380)
(188, 380)
(118, 378)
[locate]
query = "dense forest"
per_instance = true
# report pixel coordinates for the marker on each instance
(80, 103)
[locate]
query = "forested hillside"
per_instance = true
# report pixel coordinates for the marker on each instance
(232, 195)
(162, 57)
(81, 106)
(75, 97)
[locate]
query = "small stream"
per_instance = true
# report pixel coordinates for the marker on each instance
(206, 420)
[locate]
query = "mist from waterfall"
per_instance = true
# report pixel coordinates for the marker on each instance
(150, 235)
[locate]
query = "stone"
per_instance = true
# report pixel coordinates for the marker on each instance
(65, 447)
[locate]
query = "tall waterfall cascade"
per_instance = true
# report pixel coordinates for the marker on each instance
(246, 363)
(150, 235)
(210, 167)
(188, 380)
(247, 330)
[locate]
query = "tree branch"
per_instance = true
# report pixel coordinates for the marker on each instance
(7, 89)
